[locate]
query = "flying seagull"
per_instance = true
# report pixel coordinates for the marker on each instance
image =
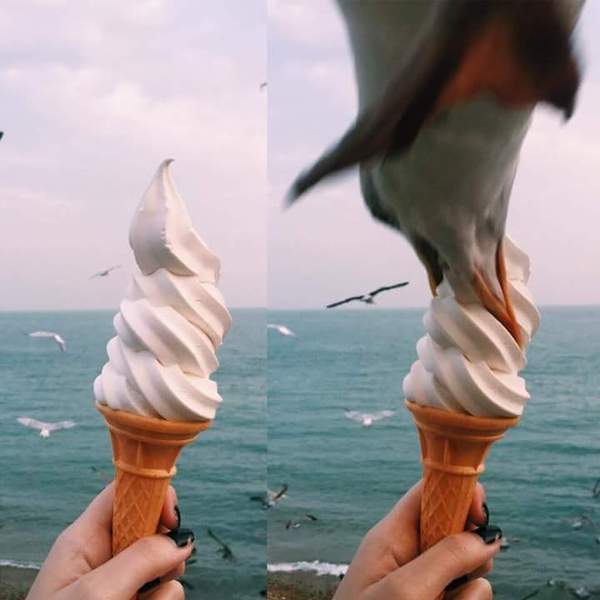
(446, 90)
(106, 271)
(368, 298)
(367, 419)
(224, 549)
(45, 429)
(51, 334)
(269, 499)
(291, 524)
(281, 329)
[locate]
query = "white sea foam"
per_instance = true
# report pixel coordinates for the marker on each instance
(19, 565)
(320, 568)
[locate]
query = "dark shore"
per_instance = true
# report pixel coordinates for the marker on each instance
(301, 586)
(15, 582)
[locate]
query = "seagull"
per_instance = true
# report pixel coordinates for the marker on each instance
(281, 329)
(370, 297)
(446, 90)
(263, 85)
(105, 272)
(295, 524)
(367, 419)
(224, 549)
(596, 489)
(45, 429)
(50, 334)
(269, 499)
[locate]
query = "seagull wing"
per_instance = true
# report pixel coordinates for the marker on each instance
(382, 415)
(61, 342)
(354, 415)
(386, 288)
(33, 423)
(60, 425)
(42, 334)
(340, 302)
(113, 268)
(311, 517)
(278, 495)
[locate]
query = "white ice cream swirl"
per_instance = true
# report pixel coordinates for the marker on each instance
(468, 361)
(171, 320)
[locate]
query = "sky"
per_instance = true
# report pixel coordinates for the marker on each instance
(328, 247)
(94, 96)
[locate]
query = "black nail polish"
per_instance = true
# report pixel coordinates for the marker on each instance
(489, 534)
(486, 511)
(178, 514)
(457, 583)
(181, 536)
(150, 585)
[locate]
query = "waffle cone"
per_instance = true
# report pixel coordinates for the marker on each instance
(453, 452)
(145, 451)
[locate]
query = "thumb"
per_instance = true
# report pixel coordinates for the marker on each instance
(146, 560)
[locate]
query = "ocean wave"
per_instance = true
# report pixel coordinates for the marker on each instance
(19, 565)
(320, 568)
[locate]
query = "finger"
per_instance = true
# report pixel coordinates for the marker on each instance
(477, 512)
(147, 559)
(172, 590)
(428, 575)
(483, 570)
(478, 589)
(169, 517)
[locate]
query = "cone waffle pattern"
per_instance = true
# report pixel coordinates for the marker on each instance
(145, 451)
(453, 452)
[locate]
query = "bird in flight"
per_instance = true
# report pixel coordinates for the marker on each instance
(366, 419)
(224, 549)
(367, 298)
(50, 334)
(281, 329)
(446, 91)
(271, 498)
(295, 524)
(45, 429)
(105, 272)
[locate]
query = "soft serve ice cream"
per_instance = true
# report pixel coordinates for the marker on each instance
(172, 319)
(468, 361)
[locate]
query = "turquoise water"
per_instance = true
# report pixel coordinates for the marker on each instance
(538, 478)
(46, 483)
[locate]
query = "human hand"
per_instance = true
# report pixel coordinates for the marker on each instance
(80, 566)
(387, 564)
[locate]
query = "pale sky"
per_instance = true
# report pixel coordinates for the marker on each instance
(328, 246)
(94, 96)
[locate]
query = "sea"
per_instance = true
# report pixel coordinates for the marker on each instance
(46, 483)
(282, 421)
(539, 481)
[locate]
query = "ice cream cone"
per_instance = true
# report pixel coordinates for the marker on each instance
(145, 450)
(453, 451)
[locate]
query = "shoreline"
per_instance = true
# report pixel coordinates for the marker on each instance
(15, 581)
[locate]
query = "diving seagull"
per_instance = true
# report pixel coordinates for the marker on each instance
(106, 271)
(281, 329)
(446, 90)
(368, 298)
(366, 419)
(50, 334)
(271, 498)
(45, 429)
(224, 549)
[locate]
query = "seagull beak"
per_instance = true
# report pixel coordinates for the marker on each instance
(502, 309)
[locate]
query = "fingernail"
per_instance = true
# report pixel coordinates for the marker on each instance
(486, 512)
(181, 536)
(457, 583)
(178, 515)
(150, 585)
(489, 534)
